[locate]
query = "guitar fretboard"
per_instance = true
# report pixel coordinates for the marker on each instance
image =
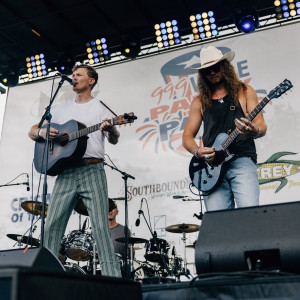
(234, 134)
(82, 132)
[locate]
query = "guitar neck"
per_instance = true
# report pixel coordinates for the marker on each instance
(234, 134)
(85, 131)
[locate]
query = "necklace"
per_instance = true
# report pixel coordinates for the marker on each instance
(220, 100)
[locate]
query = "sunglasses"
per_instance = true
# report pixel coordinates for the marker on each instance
(215, 68)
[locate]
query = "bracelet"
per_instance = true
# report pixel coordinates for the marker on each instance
(196, 153)
(39, 132)
(258, 134)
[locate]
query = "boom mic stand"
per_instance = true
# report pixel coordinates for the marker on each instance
(154, 236)
(125, 177)
(46, 116)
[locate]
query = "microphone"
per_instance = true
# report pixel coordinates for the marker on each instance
(138, 221)
(27, 183)
(65, 77)
(178, 197)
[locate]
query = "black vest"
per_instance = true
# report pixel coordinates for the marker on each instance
(219, 118)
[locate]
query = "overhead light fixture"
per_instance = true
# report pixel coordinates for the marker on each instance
(286, 8)
(64, 65)
(9, 78)
(167, 34)
(204, 25)
(131, 48)
(36, 66)
(97, 51)
(246, 19)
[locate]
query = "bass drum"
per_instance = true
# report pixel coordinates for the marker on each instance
(74, 268)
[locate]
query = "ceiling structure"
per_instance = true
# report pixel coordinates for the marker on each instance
(61, 28)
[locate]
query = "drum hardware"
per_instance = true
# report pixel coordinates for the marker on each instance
(131, 242)
(184, 229)
(74, 268)
(34, 207)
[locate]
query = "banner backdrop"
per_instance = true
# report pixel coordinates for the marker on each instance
(159, 90)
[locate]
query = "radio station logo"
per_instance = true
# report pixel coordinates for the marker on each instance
(163, 127)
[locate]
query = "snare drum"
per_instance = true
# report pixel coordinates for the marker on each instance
(157, 251)
(79, 245)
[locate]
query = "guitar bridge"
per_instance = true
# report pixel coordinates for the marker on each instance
(51, 147)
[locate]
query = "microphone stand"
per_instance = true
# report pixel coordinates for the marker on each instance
(125, 177)
(10, 184)
(155, 241)
(47, 116)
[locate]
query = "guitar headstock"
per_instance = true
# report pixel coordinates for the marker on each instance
(124, 119)
(284, 86)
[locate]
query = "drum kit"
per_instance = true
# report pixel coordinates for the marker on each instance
(79, 246)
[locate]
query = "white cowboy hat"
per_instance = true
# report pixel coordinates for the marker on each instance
(211, 55)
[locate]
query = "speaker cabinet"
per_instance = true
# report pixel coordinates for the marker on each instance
(37, 258)
(254, 238)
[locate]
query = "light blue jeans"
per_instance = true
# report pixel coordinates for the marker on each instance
(238, 188)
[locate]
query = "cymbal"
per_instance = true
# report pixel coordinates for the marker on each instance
(24, 239)
(80, 207)
(132, 240)
(34, 207)
(180, 228)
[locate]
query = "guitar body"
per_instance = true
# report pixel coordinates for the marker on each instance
(204, 176)
(61, 151)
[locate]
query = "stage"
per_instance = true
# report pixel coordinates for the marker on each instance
(29, 283)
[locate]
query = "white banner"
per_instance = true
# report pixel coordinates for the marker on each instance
(159, 91)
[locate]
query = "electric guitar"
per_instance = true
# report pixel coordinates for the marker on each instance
(204, 176)
(69, 145)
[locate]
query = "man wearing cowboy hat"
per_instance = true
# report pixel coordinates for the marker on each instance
(222, 105)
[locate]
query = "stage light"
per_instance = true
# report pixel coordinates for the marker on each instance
(286, 8)
(204, 25)
(10, 77)
(64, 65)
(246, 19)
(36, 66)
(167, 34)
(131, 48)
(97, 51)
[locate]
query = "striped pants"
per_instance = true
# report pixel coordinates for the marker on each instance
(90, 183)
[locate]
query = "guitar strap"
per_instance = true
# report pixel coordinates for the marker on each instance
(107, 108)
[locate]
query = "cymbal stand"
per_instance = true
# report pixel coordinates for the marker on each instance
(185, 272)
(94, 258)
(21, 237)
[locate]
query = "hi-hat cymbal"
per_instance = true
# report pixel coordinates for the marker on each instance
(34, 207)
(132, 240)
(24, 239)
(180, 228)
(80, 207)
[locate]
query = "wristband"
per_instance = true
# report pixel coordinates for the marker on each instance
(39, 132)
(196, 153)
(258, 134)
